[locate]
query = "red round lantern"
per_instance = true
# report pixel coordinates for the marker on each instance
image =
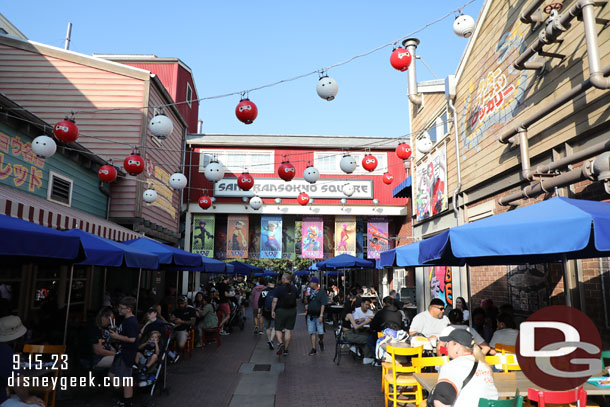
(400, 59)
(286, 171)
(369, 162)
(387, 178)
(245, 181)
(205, 202)
(107, 173)
(303, 199)
(66, 130)
(133, 164)
(403, 151)
(246, 111)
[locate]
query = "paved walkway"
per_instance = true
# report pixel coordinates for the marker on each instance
(244, 372)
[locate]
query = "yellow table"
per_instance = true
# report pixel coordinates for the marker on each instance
(507, 384)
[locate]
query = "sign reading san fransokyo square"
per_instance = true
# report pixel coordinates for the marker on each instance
(277, 188)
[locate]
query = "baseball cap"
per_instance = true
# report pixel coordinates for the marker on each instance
(181, 299)
(314, 280)
(151, 309)
(461, 336)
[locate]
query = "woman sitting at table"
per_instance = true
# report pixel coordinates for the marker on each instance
(466, 378)
(98, 337)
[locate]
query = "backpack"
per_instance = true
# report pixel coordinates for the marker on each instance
(290, 298)
(268, 300)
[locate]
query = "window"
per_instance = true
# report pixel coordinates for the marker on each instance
(60, 189)
(328, 162)
(437, 130)
(260, 162)
(189, 94)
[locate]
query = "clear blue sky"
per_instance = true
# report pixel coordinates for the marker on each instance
(237, 45)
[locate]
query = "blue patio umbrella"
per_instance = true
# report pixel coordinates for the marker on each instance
(554, 230)
(105, 252)
(403, 256)
(333, 273)
(302, 273)
(244, 268)
(29, 240)
(344, 261)
(167, 254)
(270, 273)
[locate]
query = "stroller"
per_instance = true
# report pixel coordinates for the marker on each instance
(236, 315)
(159, 378)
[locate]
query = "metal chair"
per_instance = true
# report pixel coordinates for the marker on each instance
(215, 331)
(59, 350)
(578, 395)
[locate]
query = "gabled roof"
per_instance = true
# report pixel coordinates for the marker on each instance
(10, 29)
(472, 40)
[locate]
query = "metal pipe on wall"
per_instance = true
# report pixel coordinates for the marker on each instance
(574, 158)
(457, 189)
(414, 97)
(527, 16)
(595, 75)
(525, 154)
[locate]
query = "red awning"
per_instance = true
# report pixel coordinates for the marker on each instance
(22, 205)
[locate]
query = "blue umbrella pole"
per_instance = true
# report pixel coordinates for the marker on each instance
(68, 305)
(138, 290)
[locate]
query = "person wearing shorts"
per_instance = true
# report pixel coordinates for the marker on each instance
(316, 301)
(284, 311)
(127, 335)
(224, 292)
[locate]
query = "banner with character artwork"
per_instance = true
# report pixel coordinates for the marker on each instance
(345, 235)
(377, 238)
(237, 237)
(431, 181)
(203, 235)
(312, 243)
(271, 237)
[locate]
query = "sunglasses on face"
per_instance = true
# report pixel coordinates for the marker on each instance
(440, 308)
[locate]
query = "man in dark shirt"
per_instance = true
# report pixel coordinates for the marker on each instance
(153, 323)
(11, 329)
(388, 317)
(284, 311)
(127, 336)
(224, 293)
(265, 300)
(184, 318)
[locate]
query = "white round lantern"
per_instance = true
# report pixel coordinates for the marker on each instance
(44, 146)
(150, 195)
(375, 201)
(311, 174)
(256, 203)
(278, 200)
(343, 201)
(348, 164)
(348, 189)
(463, 26)
(327, 88)
(424, 144)
(214, 171)
(161, 126)
(178, 180)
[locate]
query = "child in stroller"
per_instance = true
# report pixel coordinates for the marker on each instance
(147, 357)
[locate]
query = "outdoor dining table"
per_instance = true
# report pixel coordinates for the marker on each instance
(508, 383)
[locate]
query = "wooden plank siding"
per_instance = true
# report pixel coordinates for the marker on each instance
(589, 110)
(51, 83)
(166, 155)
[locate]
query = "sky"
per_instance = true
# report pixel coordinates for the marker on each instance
(233, 46)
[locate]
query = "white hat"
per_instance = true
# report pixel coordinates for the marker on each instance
(11, 328)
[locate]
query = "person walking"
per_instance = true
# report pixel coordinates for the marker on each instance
(256, 314)
(284, 311)
(265, 300)
(316, 303)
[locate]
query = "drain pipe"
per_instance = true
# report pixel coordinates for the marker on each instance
(457, 189)
(595, 73)
(524, 148)
(527, 16)
(597, 169)
(573, 158)
(414, 97)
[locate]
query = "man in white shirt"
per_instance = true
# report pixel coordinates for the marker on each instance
(363, 312)
(455, 319)
(506, 333)
(463, 381)
(430, 323)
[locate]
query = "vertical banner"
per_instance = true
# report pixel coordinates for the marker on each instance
(329, 237)
(298, 237)
(203, 235)
(255, 233)
(441, 284)
(377, 238)
(271, 237)
(345, 235)
(311, 238)
(288, 238)
(237, 234)
(360, 233)
(431, 180)
(220, 239)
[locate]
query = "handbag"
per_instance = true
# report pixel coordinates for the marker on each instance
(430, 400)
